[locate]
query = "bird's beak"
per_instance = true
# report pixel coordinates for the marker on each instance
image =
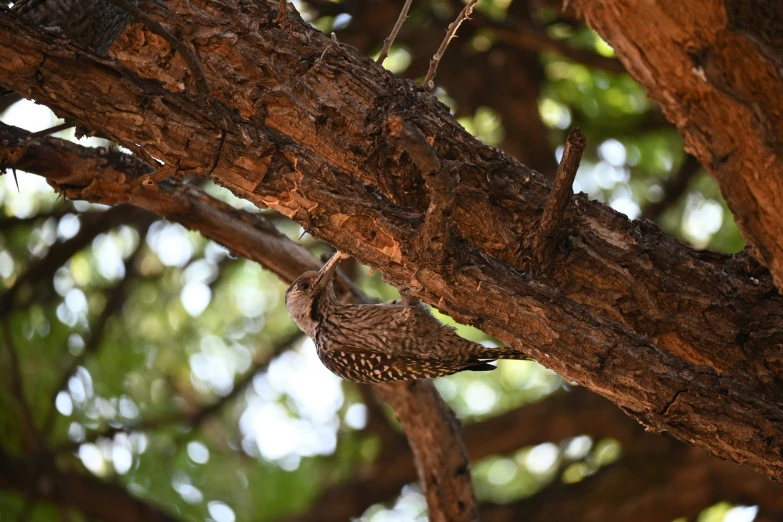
(327, 271)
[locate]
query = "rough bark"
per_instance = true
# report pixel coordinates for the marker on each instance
(716, 69)
(685, 341)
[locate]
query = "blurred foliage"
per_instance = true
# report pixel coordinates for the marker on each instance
(194, 320)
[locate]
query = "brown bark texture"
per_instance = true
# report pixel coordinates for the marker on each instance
(715, 68)
(686, 342)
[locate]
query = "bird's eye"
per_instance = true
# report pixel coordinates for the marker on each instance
(304, 285)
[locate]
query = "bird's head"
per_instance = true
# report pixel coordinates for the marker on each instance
(303, 295)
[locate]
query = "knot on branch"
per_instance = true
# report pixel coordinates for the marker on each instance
(434, 235)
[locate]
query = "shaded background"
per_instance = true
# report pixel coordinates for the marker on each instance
(142, 354)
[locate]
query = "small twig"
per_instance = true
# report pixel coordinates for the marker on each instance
(544, 241)
(159, 175)
(51, 130)
(450, 34)
(186, 52)
(282, 14)
(387, 43)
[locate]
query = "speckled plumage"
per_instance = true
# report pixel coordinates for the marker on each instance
(394, 341)
(94, 23)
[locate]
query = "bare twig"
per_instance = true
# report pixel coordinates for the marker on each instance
(187, 53)
(545, 240)
(450, 34)
(395, 30)
(51, 130)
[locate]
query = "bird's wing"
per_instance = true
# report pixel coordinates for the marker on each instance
(362, 365)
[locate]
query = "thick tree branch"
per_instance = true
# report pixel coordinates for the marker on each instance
(448, 465)
(625, 310)
(730, 121)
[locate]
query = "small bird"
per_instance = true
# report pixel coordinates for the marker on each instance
(94, 23)
(372, 343)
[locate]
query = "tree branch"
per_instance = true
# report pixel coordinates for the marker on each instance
(444, 473)
(547, 238)
(451, 33)
(387, 43)
(621, 300)
(688, 65)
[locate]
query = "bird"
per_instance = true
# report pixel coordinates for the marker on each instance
(94, 23)
(385, 342)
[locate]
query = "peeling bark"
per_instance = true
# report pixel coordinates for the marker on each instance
(297, 123)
